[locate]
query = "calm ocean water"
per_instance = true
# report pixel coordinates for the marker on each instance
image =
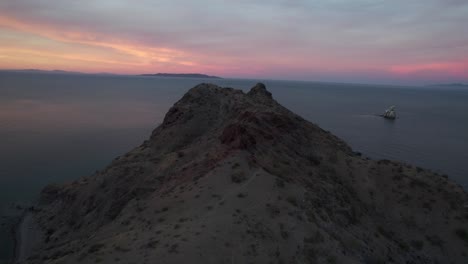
(55, 128)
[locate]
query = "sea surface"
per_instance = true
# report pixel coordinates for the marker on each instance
(56, 127)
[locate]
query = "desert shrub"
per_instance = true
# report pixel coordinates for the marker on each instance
(273, 210)
(279, 182)
(317, 237)
(333, 159)
(313, 158)
(403, 246)
(95, 248)
(152, 244)
(174, 249)
(284, 233)
(385, 233)
(292, 200)
(331, 260)
(417, 244)
(418, 183)
(435, 240)
(121, 249)
(462, 234)
(241, 195)
(374, 260)
(238, 177)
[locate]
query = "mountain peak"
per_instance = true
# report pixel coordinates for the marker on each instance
(236, 177)
(259, 90)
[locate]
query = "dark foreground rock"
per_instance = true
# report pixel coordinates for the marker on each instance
(230, 177)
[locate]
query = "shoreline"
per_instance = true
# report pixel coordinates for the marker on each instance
(25, 233)
(14, 236)
(15, 233)
(11, 222)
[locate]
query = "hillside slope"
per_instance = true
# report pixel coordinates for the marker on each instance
(234, 177)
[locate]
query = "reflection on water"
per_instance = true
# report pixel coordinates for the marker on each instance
(54, 128)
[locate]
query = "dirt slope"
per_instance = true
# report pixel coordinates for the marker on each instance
(230, 177)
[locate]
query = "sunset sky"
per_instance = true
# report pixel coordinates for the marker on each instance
(394, 41)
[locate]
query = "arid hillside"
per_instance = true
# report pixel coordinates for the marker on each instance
(234, 177)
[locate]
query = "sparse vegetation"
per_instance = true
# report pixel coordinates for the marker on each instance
(241, 195)
(314, 158)
(403, 246)
(462, 234)
(121, 249)
(238, 177)
(152, 244)
(384, 232)
(174, 249)
(317, 237)
(435, 240)
(273, 210)
(331, 260)
(292, 200)
(284, 233)
(279, 182)
(95, 248)
(333, 159)
(417, 244)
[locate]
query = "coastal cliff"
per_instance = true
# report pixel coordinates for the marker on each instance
(234, 177)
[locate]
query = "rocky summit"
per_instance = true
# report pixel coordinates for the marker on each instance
(234, 177)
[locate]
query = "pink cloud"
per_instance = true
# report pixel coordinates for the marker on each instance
(305, 42)
(455, 68)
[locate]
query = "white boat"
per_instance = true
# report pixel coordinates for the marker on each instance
(390, 113)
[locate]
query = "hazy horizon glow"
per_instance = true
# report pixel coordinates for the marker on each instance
(325, 40)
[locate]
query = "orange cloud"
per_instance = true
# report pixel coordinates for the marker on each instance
(70, 49)
(136, 54)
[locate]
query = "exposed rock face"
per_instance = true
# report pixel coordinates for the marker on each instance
(230, 177)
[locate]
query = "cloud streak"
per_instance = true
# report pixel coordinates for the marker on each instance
(320, 40)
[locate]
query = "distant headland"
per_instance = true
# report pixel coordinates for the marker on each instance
(182, 75)
(38, 71)
(452, 84)
(179, 75)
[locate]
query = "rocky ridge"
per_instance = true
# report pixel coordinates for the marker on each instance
(234, 177)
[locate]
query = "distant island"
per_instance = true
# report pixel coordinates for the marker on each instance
(179, 75)
(182, 75)
(41, 71)
(452, 84)
(53, 72)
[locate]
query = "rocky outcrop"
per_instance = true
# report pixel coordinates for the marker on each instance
(230, 177)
